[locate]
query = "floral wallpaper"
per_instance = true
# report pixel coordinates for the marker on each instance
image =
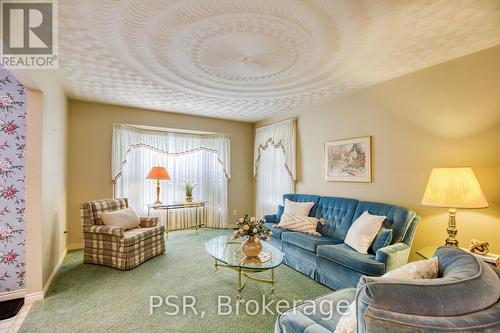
(12, 182)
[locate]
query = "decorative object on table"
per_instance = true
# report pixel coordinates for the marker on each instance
(348, 160)
(255, 231)
(490, 258)
(158, 173)
(188, 188)
(453, 188)
(264, 255)
(479, 247)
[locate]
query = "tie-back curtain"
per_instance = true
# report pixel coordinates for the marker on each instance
(274, 165)
(279, 136)
(203, 159)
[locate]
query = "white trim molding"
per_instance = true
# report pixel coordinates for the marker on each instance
(54, 272)
(34, 297)
(12, 295)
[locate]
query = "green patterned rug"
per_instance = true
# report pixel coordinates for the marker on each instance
(91, 298)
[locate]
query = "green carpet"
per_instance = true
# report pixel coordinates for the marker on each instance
(91, 298)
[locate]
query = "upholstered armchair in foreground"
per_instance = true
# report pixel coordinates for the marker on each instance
(464, 298)
(115, 246)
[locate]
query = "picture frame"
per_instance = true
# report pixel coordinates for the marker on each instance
(348, 160)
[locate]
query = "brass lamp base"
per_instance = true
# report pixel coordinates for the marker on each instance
(158, 202)
(452, 229)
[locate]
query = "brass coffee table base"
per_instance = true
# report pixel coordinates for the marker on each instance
(247, 273)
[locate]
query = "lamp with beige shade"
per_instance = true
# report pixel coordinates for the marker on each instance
(453, 188)
(158, 173)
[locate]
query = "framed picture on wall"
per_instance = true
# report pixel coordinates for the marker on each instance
(348, 160)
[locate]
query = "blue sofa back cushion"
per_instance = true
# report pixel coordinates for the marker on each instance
(281, 209)
(338, 214)
(303, 198)
(398, 218)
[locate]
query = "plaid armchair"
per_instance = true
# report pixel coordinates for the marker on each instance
(115, 246)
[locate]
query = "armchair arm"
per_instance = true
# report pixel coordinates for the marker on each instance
(393, 256)
(148, 222)
(270, 218)
(104, 229)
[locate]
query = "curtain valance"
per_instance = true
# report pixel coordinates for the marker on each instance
(282, 136)
(126, 138)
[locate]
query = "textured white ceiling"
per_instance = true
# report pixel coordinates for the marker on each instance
(251, 59)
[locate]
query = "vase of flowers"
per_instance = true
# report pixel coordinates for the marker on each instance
(255, 231)
(188, 188)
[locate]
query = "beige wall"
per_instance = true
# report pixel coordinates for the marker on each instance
(54, 198)
(445, 115)
(34, 175)
(89, 156)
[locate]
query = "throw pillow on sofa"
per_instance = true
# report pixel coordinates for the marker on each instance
(303, 224)
(298, 208)
(383, 238)
(422, 269)
(124, 218)
(363, 231)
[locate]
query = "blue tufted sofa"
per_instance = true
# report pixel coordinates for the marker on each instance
(327, 259)
(464, 298)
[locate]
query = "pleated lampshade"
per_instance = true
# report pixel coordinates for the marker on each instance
(160, 173)
(454, 188)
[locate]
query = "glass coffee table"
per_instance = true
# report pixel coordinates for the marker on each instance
(227, 253)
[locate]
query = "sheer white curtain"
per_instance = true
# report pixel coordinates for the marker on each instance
(274, 165)
(188, 157)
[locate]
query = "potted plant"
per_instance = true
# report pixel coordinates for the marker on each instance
(188, 188)
(255, 231)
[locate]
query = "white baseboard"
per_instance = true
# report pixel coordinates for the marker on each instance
(75, 246)
(12, 294)
(32, 298)
(54, 272)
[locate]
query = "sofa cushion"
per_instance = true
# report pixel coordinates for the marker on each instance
(306, 241)
(125, 218)
(382, 239)
(303, 198)
(297, 208)
(134, 236)
(420, 269)
(363, 231)
(398, 218)
(346, 256)
(281, 209)
(466, 285)
(338, 215)
(276, 231)
(304, 224)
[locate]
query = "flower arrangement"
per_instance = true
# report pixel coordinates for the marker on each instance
(251, 227)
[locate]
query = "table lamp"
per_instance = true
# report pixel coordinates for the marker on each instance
(158, 173)
(453, 188)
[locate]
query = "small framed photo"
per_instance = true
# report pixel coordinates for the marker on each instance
(348, 160)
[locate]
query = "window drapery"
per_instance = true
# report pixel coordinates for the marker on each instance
(203, 159)
(274, 165)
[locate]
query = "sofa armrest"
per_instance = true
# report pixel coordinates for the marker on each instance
(104, 229)
(270, 218)
(393, 256)
(149, 222)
